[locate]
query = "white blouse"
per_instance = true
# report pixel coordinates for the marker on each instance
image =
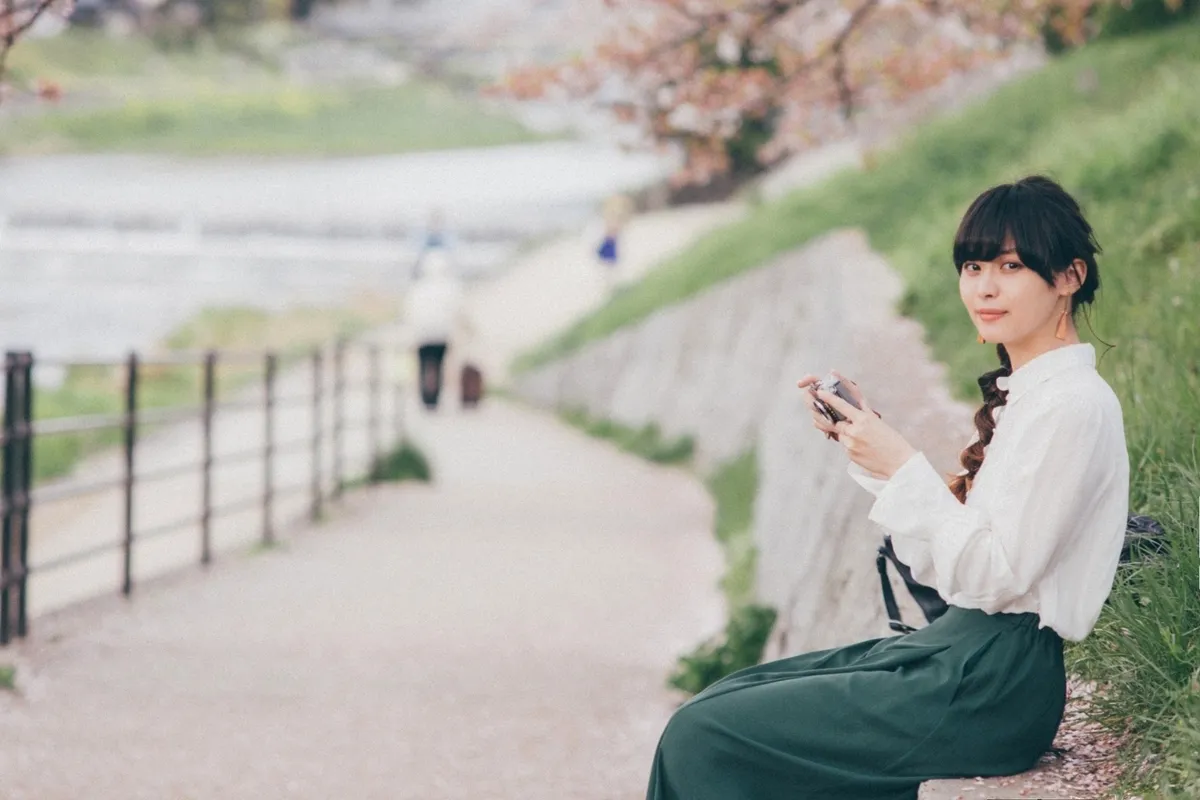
(1044, 522)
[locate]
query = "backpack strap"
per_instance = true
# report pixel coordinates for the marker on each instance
(889, 598)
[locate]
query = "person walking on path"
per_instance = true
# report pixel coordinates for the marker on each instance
(1024, 549)
(617, 210)
(436, 314)
(433, 238)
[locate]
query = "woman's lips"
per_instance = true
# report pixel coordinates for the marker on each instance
(989, 316)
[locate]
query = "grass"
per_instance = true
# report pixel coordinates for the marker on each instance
(404, 463)
(289, 121)
(90, 390)
(262, 548)
(1129, 150)
(1145, 650)
(80, 58)
(646, 442)
(132, 97)
(8, 678)
(733, 486)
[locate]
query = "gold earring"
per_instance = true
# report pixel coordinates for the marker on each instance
(979, 338)
(1060, 332)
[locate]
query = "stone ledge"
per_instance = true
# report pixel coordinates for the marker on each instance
(1040, 783)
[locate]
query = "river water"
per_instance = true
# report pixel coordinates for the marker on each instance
(101, 254)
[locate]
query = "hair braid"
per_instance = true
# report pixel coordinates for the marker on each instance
(985, 424)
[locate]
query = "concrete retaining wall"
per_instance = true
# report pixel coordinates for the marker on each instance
(722, 367)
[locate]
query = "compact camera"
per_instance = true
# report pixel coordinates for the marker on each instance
(831, 384)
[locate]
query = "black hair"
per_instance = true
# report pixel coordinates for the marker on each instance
(1044, 223)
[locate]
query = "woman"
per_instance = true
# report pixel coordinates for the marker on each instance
(1023, 545)
(436, 315)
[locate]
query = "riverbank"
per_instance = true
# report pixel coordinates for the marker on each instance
(235, 97)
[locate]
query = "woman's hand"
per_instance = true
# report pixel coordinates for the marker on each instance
(869, 441)
(820, 421)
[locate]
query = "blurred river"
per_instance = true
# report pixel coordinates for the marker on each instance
(101, 254)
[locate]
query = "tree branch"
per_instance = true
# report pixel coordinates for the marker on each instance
(698, 70)
(772, 11)
(11, 10)
(840, 77)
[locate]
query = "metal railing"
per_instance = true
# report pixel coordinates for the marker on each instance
(21, 432)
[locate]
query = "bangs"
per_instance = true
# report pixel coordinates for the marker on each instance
(1005, 218)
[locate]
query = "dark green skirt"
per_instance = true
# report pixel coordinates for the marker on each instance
(971, 694)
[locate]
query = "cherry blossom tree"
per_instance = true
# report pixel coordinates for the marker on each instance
(736, 81)
(18, 16)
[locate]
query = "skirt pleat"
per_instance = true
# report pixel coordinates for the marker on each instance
(970, 694)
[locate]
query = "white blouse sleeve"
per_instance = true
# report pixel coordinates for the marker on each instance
(987, 557)
(870, 481)
(874, 483)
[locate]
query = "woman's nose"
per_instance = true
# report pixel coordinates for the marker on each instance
(986, 285)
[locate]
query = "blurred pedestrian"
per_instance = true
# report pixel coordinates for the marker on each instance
(616, 213)
(436, 316)
(433, 239)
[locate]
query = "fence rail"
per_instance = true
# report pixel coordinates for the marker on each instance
(21, 432)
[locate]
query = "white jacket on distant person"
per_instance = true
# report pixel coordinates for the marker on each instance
(435, 307)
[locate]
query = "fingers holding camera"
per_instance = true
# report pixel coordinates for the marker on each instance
(822, 423)
(869, 441)
(839, 405)
(808, 383)
(819, 419)
(852, 387)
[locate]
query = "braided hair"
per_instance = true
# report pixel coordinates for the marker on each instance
(1045, 225)
(985, 424)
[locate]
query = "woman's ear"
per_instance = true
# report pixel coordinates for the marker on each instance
(1080, 273)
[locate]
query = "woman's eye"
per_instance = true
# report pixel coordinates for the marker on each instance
(1014, 264)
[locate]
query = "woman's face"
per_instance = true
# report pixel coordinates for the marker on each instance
(1026, 307)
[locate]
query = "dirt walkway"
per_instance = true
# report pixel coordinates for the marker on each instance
(505, 633)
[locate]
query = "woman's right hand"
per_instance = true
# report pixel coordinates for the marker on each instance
(820, 421)
(809, 383)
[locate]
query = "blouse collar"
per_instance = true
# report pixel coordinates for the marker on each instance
(1046, 365)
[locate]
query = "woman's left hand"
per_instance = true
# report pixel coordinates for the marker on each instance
(869, 441)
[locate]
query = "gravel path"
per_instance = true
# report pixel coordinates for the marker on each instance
(504, 633)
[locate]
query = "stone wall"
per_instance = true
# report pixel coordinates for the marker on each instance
(722, 367)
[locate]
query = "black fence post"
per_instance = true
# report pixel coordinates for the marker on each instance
(14, 498)
(318, 367)
(210, 393)
(25, 476)
(339, 366)
(398, 411)
(373, 414)
(269, 451)
(7, 479)
(131, 408)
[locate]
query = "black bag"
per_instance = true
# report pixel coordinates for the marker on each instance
(1144, 536)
